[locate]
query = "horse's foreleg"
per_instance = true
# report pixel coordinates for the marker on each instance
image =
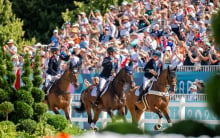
(88, 110)
(166, 114)
(159, 124)
(97, 112)
(67, 111)
(110, 113)
(121, 113)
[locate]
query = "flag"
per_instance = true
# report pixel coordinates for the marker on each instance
(17, 82)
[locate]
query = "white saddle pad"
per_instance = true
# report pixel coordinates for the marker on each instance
(137, 92)
(94, 90)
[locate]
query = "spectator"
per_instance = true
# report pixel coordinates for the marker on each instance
(193, 93)
(11, 48)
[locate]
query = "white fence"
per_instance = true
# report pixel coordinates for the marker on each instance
(176, 100)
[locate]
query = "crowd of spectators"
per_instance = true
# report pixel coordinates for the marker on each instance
(180, 29)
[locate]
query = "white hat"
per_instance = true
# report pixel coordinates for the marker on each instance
(193, 87)
(211, 4)
(168, 48)
(125, 51)
(71, 42)
(82, 13)
(15, 57)
(75, 25)
(191, 6)
(55, 31)
(124, 3)
(38, 44)
(10, 41)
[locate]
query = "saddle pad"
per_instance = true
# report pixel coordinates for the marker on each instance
(94, 90)
(137, 92)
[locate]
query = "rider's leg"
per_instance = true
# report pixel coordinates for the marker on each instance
(99, 90)
(146, 81)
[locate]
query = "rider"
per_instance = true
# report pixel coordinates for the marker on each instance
(109, 68)
(54, 69)
(151, 70)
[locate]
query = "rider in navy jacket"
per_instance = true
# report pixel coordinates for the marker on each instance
(54, 69)
(109, 65)
(151, 69)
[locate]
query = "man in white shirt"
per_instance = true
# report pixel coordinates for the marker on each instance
(11, 48)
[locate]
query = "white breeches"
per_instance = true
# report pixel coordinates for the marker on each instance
(50, 78)
(102, 83)
(146, 82)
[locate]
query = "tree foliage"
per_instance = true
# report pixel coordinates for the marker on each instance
(41, 16)
(11, 26)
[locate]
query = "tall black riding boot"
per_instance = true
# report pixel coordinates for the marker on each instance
(142, 92)
(98, 97)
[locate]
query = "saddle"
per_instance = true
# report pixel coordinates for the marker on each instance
(47, 89)
(94, 90)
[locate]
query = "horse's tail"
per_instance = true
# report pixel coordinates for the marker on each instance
(80, 109)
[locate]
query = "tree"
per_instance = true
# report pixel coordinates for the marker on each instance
(6, 107)
(41, 17)
(10, 26)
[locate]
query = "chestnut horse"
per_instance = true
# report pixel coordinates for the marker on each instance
(156, 100)
(112, 99)
(59, 97)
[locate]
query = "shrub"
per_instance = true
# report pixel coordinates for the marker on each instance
(213, 93)
(6, 107)
(37, 80)
(27, 125)
(190, 128)
(38, 94)
(40, 109)
(3, 96)
(23, 95)
(23, 110)
(8, 129)
(57, 121)
(73, 130)
(44, 129)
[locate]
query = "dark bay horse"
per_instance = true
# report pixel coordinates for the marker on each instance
(59, 97)
(157, 100)
(112, 99)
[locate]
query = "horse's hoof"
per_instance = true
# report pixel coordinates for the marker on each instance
(157, 127)
(94, 127)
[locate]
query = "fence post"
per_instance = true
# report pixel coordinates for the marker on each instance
(104, 119)
(182, 108)
(142, 121)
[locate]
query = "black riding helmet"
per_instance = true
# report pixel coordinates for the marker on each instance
(110, 50)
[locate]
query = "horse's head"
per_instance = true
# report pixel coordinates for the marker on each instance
(171, 76)
(74, 73)
(126, 75)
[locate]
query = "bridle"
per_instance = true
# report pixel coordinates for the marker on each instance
(169, 78)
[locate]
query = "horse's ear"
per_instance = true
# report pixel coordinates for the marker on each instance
(168, 68)
(175, 68)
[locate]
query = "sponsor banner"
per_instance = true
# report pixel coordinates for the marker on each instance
(184, 80)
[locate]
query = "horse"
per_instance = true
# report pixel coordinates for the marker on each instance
(112, 99)
(156, 100)
(58, 97)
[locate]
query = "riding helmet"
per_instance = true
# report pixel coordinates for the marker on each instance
(157, 53)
